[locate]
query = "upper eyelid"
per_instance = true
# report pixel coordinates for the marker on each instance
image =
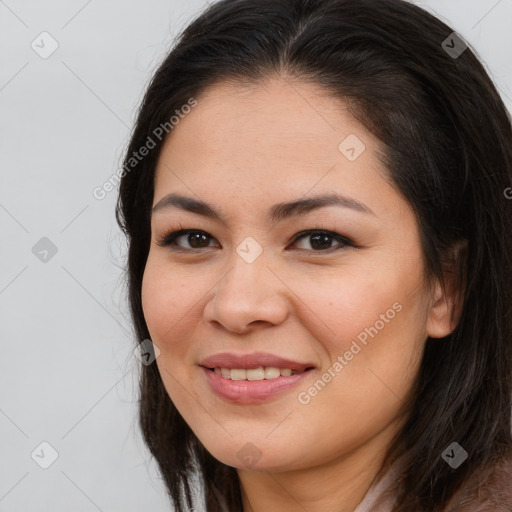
(178, 233)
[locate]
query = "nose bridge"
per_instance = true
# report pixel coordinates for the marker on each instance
(248, 292)
(249, 276)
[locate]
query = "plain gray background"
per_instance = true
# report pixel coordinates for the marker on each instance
(69, 377)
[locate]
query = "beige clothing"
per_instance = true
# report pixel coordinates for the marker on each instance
(368, 503)
(494, 494)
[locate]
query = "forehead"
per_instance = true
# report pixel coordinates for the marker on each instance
(276, 114)
(278, 138)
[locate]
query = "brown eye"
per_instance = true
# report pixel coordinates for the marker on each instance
(322, 240)
(195, 238)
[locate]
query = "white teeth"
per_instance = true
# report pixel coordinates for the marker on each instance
(237, 374)
(260, 373)
(256, 373)
(271, 372)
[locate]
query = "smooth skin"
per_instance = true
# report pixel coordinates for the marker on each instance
(243, 149)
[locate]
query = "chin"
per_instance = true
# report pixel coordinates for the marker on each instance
(253, 457)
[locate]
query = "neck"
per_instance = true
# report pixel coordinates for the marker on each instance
(339, 484)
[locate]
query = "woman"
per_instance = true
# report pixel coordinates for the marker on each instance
(320, 250)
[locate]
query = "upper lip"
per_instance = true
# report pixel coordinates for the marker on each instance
(254, 360)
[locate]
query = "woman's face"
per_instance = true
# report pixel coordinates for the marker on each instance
(349, 318)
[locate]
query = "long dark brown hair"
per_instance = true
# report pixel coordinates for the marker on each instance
(448, 149)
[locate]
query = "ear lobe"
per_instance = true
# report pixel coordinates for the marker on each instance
(448, 301)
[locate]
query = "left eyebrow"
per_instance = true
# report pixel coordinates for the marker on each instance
(277, 212)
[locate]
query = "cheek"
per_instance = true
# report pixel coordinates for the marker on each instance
(167, 303)
(165, 300)
(156, 300)
(374, 319)
(342, 305)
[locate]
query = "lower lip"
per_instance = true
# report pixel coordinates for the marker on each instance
(251, 391)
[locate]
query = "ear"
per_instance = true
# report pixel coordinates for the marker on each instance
(447, 302)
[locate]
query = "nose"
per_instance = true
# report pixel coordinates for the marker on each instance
(248, 295)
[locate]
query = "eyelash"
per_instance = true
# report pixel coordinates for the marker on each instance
(169, 239)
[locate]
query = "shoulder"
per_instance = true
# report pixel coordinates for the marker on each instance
(487, 490)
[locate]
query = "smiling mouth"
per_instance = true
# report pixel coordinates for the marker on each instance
(254, 374)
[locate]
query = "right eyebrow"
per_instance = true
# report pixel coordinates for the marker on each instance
(277, 212)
